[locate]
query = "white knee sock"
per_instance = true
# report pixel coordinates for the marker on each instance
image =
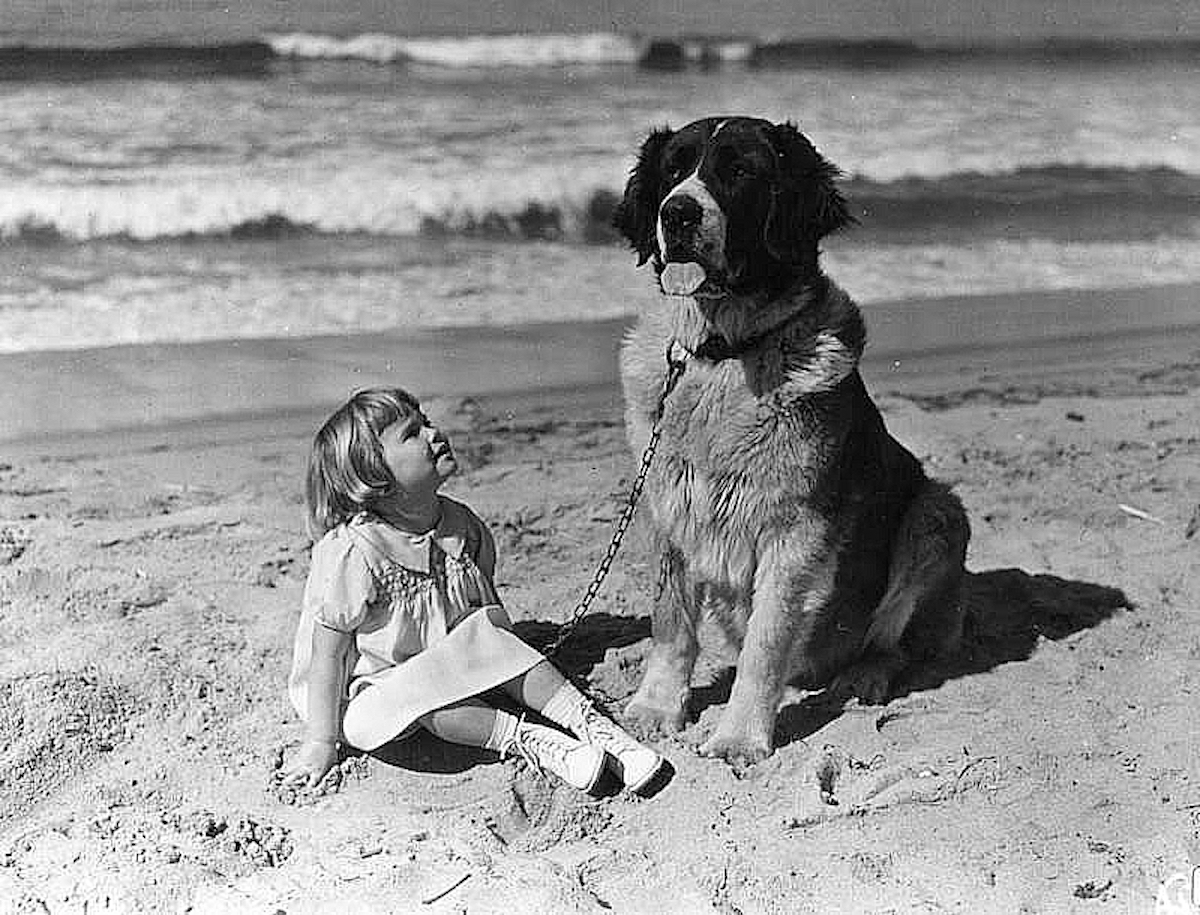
(568, 707)
(504, 730)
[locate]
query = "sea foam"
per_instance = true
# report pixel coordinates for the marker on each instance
(464, 51)
(573, 202)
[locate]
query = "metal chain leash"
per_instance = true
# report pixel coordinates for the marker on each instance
(675, 366)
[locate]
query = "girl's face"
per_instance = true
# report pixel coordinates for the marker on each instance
(417, 454)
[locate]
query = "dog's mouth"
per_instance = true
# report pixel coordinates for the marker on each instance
(682, 277)
(691, 278)
(692, 266)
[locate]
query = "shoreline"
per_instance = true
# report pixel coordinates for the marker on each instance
(924, 348)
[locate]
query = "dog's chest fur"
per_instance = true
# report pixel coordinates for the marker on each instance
(751, 445)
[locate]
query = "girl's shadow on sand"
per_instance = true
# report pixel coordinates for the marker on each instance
(1008, 611)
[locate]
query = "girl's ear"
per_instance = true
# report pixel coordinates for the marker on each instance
(806, 206)
(637, 213)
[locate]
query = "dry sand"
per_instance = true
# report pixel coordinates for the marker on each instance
(150, 580)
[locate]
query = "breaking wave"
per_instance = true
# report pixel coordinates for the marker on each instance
(614, 49)
(1063, 202)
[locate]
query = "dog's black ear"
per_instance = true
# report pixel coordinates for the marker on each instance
(806, 205)
(637, 214)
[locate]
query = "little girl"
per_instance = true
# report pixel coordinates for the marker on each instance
(401, 626)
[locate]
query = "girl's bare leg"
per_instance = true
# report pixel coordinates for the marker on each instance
(469, 722)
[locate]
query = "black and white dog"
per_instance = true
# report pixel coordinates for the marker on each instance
(785, 510)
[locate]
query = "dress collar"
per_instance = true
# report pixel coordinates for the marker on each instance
(413, 551)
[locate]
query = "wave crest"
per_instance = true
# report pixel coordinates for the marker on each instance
(471, 51)
(531, 51)
(1066, 202)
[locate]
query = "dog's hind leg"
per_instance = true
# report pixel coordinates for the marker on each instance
(926, 574)
(920, 615)
(660, 703)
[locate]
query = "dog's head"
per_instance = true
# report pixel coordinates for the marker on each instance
(746, 199)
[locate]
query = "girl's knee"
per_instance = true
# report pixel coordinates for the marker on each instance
(467, 722)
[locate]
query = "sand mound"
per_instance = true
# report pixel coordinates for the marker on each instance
(51, 726)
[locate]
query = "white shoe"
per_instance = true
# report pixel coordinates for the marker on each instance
(636, 763)
(577, 763)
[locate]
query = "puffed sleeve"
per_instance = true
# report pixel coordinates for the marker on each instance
(340, 584)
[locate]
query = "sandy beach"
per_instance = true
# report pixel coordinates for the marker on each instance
(152, 556)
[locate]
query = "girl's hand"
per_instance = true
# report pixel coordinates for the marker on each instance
(311, 764)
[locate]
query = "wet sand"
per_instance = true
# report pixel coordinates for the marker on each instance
(916, 345)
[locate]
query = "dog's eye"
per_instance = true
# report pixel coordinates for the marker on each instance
(732, 169)
(678, 167)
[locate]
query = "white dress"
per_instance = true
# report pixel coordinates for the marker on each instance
(429, 629)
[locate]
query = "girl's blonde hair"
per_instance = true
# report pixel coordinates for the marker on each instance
(346, 471)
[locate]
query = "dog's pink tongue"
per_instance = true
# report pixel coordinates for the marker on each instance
(682, 279)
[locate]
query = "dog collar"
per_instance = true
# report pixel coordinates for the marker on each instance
(715, 348)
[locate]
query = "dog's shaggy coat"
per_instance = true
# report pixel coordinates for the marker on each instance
(785, 510)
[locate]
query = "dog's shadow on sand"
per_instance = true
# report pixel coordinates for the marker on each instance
(1007, 613)
(588, 642)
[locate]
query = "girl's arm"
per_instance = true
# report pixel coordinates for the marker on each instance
(323, 730)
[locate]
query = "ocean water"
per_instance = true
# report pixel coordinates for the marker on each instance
(164, 184)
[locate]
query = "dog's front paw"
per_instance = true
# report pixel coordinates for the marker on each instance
(652, 718)
(739, 750)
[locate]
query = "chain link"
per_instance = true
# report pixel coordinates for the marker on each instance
(675, 366)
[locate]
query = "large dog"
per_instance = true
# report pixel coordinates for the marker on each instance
(785, 510)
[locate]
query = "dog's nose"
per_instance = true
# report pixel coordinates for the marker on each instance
(679, 213)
